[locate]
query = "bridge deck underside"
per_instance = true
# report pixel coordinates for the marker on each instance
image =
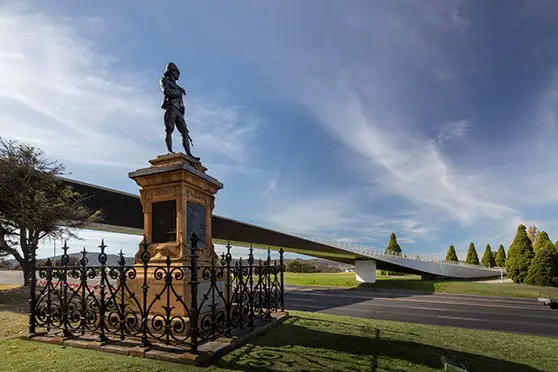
(123, 213)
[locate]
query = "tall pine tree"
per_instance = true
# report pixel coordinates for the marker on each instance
(500, 256)
(452, 255)
(393, 247)
(488, 258)
(544, 268)
(542, 241)
(520, 255)
(472, 257)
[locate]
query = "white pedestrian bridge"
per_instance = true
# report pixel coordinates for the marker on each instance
(369, 259)
(124, 214)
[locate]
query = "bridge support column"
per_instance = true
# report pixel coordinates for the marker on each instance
(365, 271)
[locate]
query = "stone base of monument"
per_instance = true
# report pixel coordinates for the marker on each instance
(207, 352)
(165, 292)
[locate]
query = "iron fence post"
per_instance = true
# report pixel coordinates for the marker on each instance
(145, 260)
(212, 285)
(121, 265)
(65, 306)
(281, 263)
(194, 293)
(48, 321)
(32, 280)
(83, 281)
(268, 275)
(251, 282)
(102, 308)
(240, 293)
(228, 285)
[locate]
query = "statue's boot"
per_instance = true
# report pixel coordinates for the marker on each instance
(168, 140)
(186, 145)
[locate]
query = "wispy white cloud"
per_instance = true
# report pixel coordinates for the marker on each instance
(412, 166)
(453, 130)
(59, 91)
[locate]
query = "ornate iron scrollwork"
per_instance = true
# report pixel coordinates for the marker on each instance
(180, 304)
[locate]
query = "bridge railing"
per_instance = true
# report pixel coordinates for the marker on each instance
(372, 252)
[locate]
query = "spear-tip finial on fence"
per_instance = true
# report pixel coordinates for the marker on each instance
(102, 256)
(145, 256)
(65, 258)
(228, 256)
(84, 260)
(121, 259)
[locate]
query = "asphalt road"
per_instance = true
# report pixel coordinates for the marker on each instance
(11, 277)
(480, 312)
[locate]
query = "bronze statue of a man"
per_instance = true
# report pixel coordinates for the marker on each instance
(174, 108)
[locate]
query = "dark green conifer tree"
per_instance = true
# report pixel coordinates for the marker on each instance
(542, 241)
(544, 267)
(452, 255)
(488, 257)
(500, 257)
(472, 257)
(393, 247)
(520, 255)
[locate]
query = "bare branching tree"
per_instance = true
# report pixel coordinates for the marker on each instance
(34, 203)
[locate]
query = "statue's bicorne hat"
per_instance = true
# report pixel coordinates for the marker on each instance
(172, 67)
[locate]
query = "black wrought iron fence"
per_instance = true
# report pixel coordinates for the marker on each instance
(170, 303)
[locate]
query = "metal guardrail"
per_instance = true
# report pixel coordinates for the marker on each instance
(372, 252)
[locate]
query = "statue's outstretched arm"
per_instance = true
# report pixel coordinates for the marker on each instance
(169, 91)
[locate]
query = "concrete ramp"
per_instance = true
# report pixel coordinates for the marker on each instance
(442, 268)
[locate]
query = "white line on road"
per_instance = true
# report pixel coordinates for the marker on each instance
(422, 299)
(426, 308)
(460, 318)
(376, 304)
(535, 307)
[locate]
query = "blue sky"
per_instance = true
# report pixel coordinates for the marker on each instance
(349, 120)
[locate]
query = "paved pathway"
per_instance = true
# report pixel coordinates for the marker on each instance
(494, 313)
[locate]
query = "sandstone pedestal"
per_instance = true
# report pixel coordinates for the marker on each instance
(177, 197)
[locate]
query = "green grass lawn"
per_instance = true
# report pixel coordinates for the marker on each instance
(413, 282)
(316, 342)
(305, 341)
(13, 311)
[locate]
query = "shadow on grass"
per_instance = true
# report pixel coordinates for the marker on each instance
(14, 299)
(304, 346)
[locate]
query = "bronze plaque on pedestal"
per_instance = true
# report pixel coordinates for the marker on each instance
(163, 221)
(195, 222)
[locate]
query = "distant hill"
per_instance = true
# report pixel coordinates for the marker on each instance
(112, 259)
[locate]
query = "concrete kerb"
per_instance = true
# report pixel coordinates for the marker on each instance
(207, 353)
